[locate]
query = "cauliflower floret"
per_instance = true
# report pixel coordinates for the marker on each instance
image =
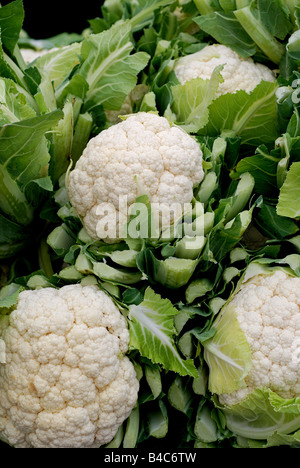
(144, 153)
(66, 382)
(269, 316)
(238, 73)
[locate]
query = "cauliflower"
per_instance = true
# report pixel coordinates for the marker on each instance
(238, 73)
(254, 356)
(142, 154)
(267, 308)
(66, 382)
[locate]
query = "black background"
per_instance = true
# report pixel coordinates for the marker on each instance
(44, 19)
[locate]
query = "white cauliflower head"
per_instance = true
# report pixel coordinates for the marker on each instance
(66, 382)
(142, 154)
(268, 311)
(238, 73)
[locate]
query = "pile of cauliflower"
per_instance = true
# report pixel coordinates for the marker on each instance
(65, 382)
(65, 379)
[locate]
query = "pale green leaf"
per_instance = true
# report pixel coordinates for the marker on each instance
(109, 67)
(192, 100)
(152, 332)
(289, 197)
(264, 415)
(253, 116)
(227, 354)
(13, 104)
(58, 63)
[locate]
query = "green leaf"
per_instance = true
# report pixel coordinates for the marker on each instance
(132, 296)
(59, 40)
(11, 22)
(226, 29)
(157, 421)
(263, 167)
(228, 5)
(153, 377)
(265, 416)
(81, 135)
(23, 154)
(223, 239)
(13, 104)
(207, 6)
(227, 354)
(61, 240)
(180, 395)
(143, 12)
(21, 144)
(9, 295)
(250, 20)
(57, 65)
(252, 117)
(273, 225)
(205, 427)
(36, 190)
(152, 331)
(275, 16)
(109, 68)
(77, 86)
(197, 288)
(132, 429)
(230, 207)
(62, 143)
(188, 247)
(191, 101)
(116, 275)
(289, 197)
(13, 201)
(172, 272)
(13, 237)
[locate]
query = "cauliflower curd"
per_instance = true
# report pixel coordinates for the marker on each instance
(66, 382)
(238, 73)
(143, 154)
(268, 310)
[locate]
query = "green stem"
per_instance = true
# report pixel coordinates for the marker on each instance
(81, 135)
(242, 3)
(19, 57)
(273, 49)
(44, 259)
(228, 5)
(19, 75)
(132, 429)
(13, 201)
(204, 6)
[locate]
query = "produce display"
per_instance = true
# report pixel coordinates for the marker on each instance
(149, 228)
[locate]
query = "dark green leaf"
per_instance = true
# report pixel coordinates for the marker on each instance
(226, 29)
(11, 22)
(274, 226)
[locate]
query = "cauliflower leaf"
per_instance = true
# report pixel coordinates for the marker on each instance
(265, 416)
(109, 68)
(152, 330)
(192, 100)
(227, 354)
(251, 117)
(289, 197)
